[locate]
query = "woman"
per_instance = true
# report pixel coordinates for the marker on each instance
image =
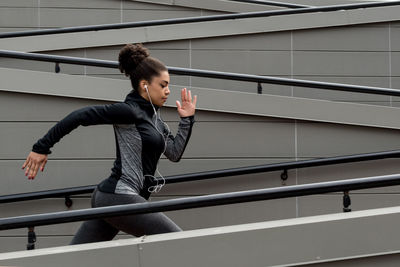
(141, 137)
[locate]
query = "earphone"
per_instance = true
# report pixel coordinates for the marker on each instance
(156, 188)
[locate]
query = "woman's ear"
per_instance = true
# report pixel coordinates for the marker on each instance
(143, 84)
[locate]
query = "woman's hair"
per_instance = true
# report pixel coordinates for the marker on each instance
(136, 63)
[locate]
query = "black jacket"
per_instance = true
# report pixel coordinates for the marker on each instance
(140, 138)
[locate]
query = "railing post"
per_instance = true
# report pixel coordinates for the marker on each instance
(68, 201)
(346, 201)
(284, 177)
(259, 88)
(57, 68)
(31, 238)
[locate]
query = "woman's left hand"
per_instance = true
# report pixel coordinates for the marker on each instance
(188, 106)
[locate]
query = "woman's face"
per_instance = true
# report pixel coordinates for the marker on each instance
(157, 89)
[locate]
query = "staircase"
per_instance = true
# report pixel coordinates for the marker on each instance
(235, 126)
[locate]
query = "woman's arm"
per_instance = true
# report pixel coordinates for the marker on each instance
(118, 113)
(176, 145)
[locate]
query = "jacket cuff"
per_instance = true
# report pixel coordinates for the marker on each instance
(189, 119)
(37, 149)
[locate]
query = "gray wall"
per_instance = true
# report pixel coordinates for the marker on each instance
(38, 14)
(364, 54)
(219, 141)
(367, 54)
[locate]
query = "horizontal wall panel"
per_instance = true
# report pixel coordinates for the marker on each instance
(353, 97)
(93, 142)
(71, 173)
(395, 37)
(18, 243)
(50, 17)
(351, 171)
(233, 214)
(212, 5)
(18, 29)
(251, 62)
(237, 140)
(9, 244)
(325, 139)
(143, 15)
(108, 4)
(223, 140)
(90, 4)
(395, 64)
(341, 63)
(333, 203)
(349, 38)
(239, 86)
(173, 44)
(57, 174)
(32, 107)
(18, 17)
(20, 3)
(259, 42)
(152, 5)
(103, 4)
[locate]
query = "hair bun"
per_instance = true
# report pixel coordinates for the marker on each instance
(130, 56)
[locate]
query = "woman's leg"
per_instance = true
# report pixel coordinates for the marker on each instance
(137, 225)
(94, 230)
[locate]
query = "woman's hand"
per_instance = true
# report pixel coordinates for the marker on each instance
(33, 162)
(188, 107)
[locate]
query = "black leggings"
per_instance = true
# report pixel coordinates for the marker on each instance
(136, 225)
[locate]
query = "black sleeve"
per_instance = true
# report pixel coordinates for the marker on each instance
(119, 113)
(176, 144)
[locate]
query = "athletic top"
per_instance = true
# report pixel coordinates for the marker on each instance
(139, 143)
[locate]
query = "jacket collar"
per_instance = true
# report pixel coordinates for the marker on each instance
(135, 97)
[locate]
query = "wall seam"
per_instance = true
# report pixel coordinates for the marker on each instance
(190, 61)
(39, 14)
(121, 8)
(390, 61)
(295, 121)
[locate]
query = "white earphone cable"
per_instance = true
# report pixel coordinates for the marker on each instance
(156, 188)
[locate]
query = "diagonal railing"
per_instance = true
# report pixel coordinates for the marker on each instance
(303, 10)
(284, 166)
(209, 74)
(271, 3)
(199, 201)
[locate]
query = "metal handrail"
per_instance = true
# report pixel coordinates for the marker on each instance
(285, 166)
(198, 19)
(271, 3)
(209, 74)
(199, 201)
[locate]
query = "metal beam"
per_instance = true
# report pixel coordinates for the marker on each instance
(210, 74)
(199, 201)
(272, 3)
(212, 174)
(198, 19)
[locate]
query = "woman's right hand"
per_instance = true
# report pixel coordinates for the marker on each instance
(33, 162)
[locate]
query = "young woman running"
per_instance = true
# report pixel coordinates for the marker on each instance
(141, 137)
